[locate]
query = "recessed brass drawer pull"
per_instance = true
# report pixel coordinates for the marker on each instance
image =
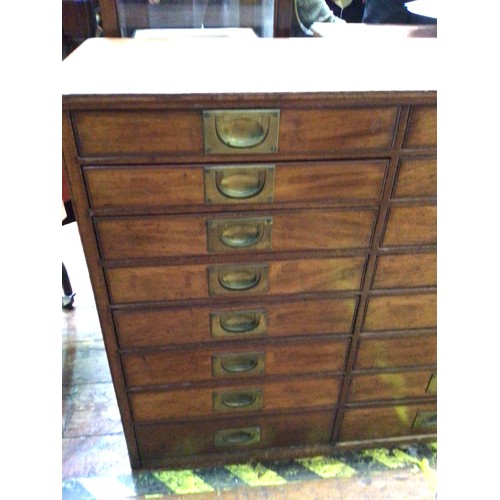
(235, 184)
(432, 385)
(237, 323)
(237, 279)
(425, 420)
(241, 131)
(238, 234)
(251, 363)
(237, 437)
(238, 400)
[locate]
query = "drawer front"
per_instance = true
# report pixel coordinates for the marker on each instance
(337, 130)
(238, 434)
(399, 385)
(411, 226)
(234, 399)
(144, 328)
(422, 127)
(416, 178)
(388, 421)
(406, 270)
(169, 236)
(172, 134)
(162, 186)
(124, 133)
(158, 283)
(196, 364)
(400, 312)
(389, 352)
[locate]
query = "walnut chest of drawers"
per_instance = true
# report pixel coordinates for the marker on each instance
(261, 243)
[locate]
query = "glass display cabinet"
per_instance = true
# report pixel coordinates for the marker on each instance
(267, 18)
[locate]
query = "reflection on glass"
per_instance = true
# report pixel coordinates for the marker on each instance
(146, 14)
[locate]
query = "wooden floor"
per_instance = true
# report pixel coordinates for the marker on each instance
(94, 456)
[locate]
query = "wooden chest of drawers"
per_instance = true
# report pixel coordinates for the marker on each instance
(263, 258)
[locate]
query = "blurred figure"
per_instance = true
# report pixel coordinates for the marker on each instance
(309, 12)
(392, 12)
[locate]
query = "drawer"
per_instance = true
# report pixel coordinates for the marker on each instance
(400, 385)
(406, 270)
(422, 127)
(388, 421)
(397, 352)
(158, 283)
(149, 237)
(401, 312)
(416, 178)
(125, 188)
(156, 327)
(172, 134)
(416, 225)
(236, 434)
(218, 363)
(234, 399)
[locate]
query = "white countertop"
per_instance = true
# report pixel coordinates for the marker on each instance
(106, 66)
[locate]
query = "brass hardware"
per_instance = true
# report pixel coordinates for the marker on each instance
(246, 131)
(425, 420)
(432, 385)
(230, 365)
(248, 399)
(238, 323)
(236, 184)
(239, 234)
(244, 436)
(251, 278)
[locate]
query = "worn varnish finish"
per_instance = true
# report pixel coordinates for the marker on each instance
(313, 329)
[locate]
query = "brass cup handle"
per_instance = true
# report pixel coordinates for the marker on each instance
(240, 364)
(243, 234)
(242, 130)
(242, 279)
(238, 399)
(251, 183)
(241, 183)
(240, 323)
(238, 437)
(238, 279)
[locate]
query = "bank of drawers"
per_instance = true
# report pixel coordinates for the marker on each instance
(393, 387)
(263, 249)
(234, 272)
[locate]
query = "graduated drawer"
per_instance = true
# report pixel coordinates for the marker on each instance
(417, 177)
(421, 131)
(388, 422)
(392, 385)
(217, 363)
(167, 236)
(156, 327)
(406, 270)
(161, 441)
(411, 225)
(272, 132)
(234, 399)
(162, 186)
(401, 312)
(397, 352)
(180, 282)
